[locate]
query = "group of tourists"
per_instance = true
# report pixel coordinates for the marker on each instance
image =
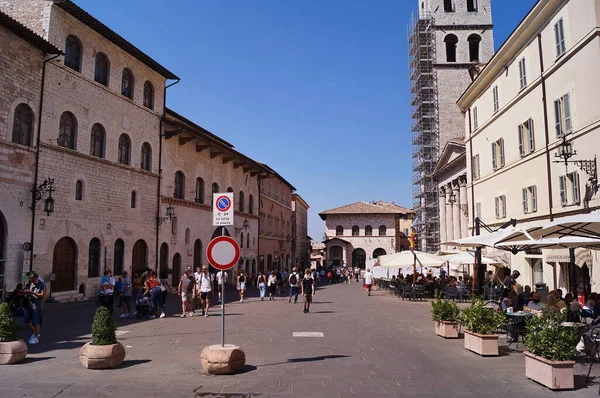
(338, 274)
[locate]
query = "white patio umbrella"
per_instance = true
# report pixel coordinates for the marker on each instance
(469, 258)
(582, 225)
(554, 243)
(491, 239)
(407, 258)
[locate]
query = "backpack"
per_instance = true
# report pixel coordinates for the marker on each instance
(293, 279)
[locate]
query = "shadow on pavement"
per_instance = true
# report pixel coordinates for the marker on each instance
(133, 362)
(308, 359)
(324, 312)
(35, 359)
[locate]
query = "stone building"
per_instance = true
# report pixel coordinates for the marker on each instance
(363, 231)
(300, 239)
(532, 131)
(446, 39)
(276, 216)
(22, 55)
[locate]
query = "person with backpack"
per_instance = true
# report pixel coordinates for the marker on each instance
(293, 280)
(241, 283)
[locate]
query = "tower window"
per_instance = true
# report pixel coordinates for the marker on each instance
(449, 6)
(474, 41)
(472, 6)
(451, 42)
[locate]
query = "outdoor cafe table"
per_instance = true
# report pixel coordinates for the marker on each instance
(518, 322)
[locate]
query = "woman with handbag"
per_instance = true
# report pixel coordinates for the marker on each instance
(272, 284)
(155, 289)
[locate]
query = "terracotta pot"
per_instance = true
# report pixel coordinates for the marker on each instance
(556, 375)
(482, 344)
(446, 329)
(12, 352)
(101, 356)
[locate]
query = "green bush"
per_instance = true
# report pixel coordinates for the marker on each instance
(548, 339)
(103, 328)
(480, 319)
(444, 310)
(8, 325)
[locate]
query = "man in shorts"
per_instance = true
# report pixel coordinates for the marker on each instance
(308, 289)
(205, 289)
(221, 281)
(368, 281)
(186, 289)
(35, 292)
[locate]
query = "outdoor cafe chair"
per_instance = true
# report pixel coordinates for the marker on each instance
(451, 293)
(464, 294)
(419, 292)
(407, 291)
(591, 341)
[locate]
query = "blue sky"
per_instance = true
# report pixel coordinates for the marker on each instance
(316, 89)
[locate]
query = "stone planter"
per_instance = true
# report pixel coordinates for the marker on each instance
(101, 356)
(219, 360)
(446, 329)
(482, 344)
(556, 375)
(12, 352)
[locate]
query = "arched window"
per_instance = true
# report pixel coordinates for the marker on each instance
(199, 190)
(379, 252)
(179, 192)
(73, 53)
(451, 42)
(251, 204)
(146, 156)
(368, 230)
(474, 41)
(23, 125)
(124, 149)
(127, 83)
(94, 258)
(215, 187)
(97, 141)
(67, 131)
(247, 240)
(119, 256)
(79, 190)
(241, 203)
(355, 230)
(101, 69)
(382, 230)
(187, 235)
(339, 231)
(133, 199)
(229, 189)
(139, 258)
(241, 239)
(148, 95)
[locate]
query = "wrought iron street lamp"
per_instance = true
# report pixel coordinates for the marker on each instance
(39, 193)
(565, 152)
(169, 216)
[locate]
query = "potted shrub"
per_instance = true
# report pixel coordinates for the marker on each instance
(104, 351)
(12, 348)
(445, 315)
(551, 349)
(480, 323)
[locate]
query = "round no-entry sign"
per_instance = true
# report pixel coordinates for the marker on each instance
(223, 252)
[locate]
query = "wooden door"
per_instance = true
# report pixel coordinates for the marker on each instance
(176, 275)
(64, 264)
(140, 257)
(197, 254)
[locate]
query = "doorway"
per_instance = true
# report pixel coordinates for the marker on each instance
(64, 264)
(176, 275)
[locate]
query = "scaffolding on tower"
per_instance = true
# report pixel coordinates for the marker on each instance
(425, 137)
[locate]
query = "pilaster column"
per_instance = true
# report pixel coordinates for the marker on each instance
(464, 207)
(442, 206)
(449, 213)
(344, 261)
(456, 209)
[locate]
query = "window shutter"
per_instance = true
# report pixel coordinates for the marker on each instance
(473, 169)
(494, 160)
(503, 200)
(478, 168)
(501, 145)
(534, 198)
(557, 118)
(575, 187)
(530, 138)
(567, 110)
(563, 190)
(525, 207)
(496, 201)
(521, 141)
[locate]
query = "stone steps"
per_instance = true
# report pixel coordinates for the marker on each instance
(67, 297)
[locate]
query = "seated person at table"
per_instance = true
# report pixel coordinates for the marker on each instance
(535, 304)
(560, 304)
(551, 301)
(460, 282)
(526, 294)
(400, 278)
(508, 301)
(572, 304)
(589, 306)
(393, 282)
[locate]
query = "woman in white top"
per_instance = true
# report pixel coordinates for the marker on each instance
(272, 284)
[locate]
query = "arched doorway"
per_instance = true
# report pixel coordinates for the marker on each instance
(119, 257)
(163, 257)
(176, 275)
(64, 265)
(140, 257)
(197, 254)
(359, 257)
(219, 232)
(335, 254)
(378, 252)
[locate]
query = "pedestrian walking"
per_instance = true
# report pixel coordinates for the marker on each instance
(164, 282)
(272, 285)
(279, 283)
(221, 283)
(262, 285)
(241, 283)
(308, 289)
(107, 286)
(34, 293)
(187, 291)
(126, 296)
(154, 289)
(293, 280)
(205, 290)
(368, 277)
(356, 273)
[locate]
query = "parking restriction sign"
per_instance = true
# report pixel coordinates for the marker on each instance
(222, 209)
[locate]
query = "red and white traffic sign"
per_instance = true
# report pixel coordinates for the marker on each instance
(223, 252)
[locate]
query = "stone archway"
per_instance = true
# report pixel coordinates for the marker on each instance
(64, 265)
(359, 258)
(336, 254)
(139, 261)
(219, 232)
(176, 275)
(379, 252)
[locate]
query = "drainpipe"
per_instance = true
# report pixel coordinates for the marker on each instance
(37, 159)
(546, 132)
(156, 252)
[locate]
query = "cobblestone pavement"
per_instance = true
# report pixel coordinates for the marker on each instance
(372, 346)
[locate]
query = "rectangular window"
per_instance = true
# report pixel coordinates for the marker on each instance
(530, 137)
(495, 96)
(559, 34)
(562, 115)
(530, 199)
(526, 138)
(521, 140)
(522, 74)
(563, 190)
(574, 179)
(500, 202)
(498, 154)
(472, 5)
(475, 167)
(475, 123)
(570, 193)
(478, 210)
(449, 5)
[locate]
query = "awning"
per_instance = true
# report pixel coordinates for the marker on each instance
(582, 256)
(503, 257)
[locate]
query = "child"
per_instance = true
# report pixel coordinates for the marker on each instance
(119, 291)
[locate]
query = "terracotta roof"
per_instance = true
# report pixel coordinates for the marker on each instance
(367, 208)
(27, 34)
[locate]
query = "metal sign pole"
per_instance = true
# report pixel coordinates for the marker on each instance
(222, 300)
